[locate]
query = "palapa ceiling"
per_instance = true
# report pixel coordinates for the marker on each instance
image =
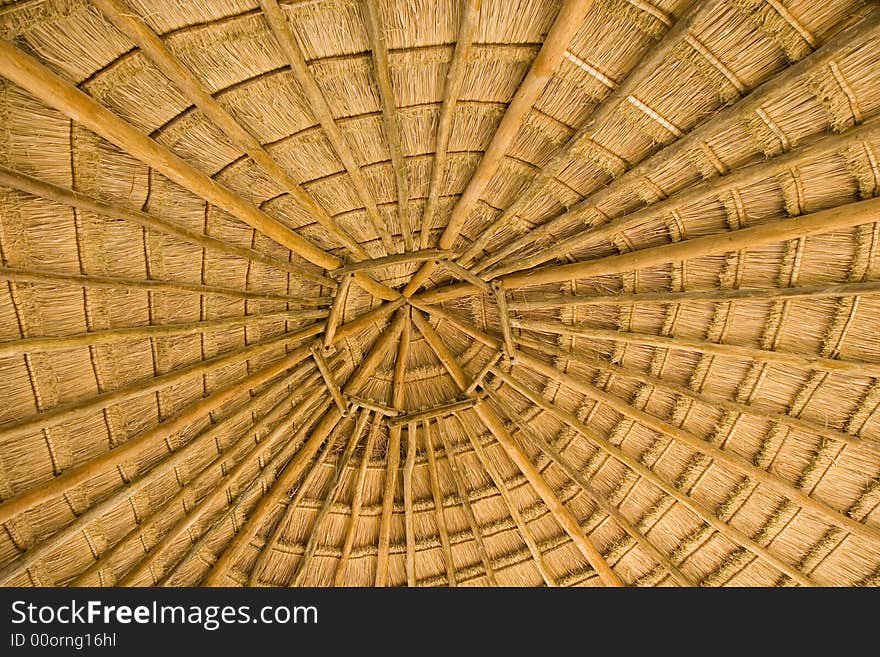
(439, 292)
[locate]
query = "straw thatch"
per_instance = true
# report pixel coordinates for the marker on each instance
(440, 292)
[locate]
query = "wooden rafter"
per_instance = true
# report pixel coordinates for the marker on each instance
(295, 468)
(290, 47)
(390, 261)
(439, 513)
(329, 380)
(568, 20)
(409, 527)
(381, 68)
(442, 410)
(130, 24)
(452, 89)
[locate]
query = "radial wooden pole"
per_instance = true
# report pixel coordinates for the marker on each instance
(321, 109)
(559, 511)
(398, 389)
(501, 486)
(804, 361)
(727, 117)
(295, 468)
(566, 520)
(32, 76)
(408, 469)
(43, 189)
(461, 487)
(822, 147)
(329, 381)
(356, 505)
(130, 24)
(129, 333)
(89, 281)
(693, 11)
(470, 10)
(381, 69)
(728, 531)
(439, 513)
(568, 20)
(341, 465)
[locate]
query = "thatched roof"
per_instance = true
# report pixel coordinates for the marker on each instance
(429, 292)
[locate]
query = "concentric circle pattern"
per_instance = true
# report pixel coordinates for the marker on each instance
(439, 292)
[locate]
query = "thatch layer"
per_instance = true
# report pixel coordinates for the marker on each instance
(459, 292)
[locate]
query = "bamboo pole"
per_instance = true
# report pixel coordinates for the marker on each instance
(724, 457)
(452, 89)
(369, 404)
(714, 295)
(75, 199)
(704, 130)
(318, 103)
(113, 336)
(442, 532)
(466, 275)
(295, 468)
(501, 486)
(804, 361)
(356, 505)
(130, 24)
(389, 261)
(408, 469)
(477, 381)
(436, 412)
(559, 511)
(568, 20)
(520, 458)
(822, 147)
(398, 389)
(185, 525)
(713, 401)
(504, 320)
(329, 381)
(468, 510)
(336, 310)
(204, 440)
(291, 504)
(640, 468)
(381, 69)
(28, 73)
(692, 12)
(598, 499)
(49, 278)
(341, 464)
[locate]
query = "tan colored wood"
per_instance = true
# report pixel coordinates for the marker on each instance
(568, 20)
(390, 261)
(369, 404)
(470, 10)
(461, 487)
(17, 275)
(598, 499)
(436, 412)
(130, 24)
(382, 73)
(115, 336)
(804, 361)
(336, 310)
(477, 381)
(822, 291)
(409, 527)
(37, 187)
(735, 535)
(693, 11)
(295, 468)
(398, 390)
(559, 511)
(329, 381)
(704, 130)
(501, 486)
(504, 319)
(439, 515)
(356, 505)
(466, 275)
(321, 109)
(341, 464)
